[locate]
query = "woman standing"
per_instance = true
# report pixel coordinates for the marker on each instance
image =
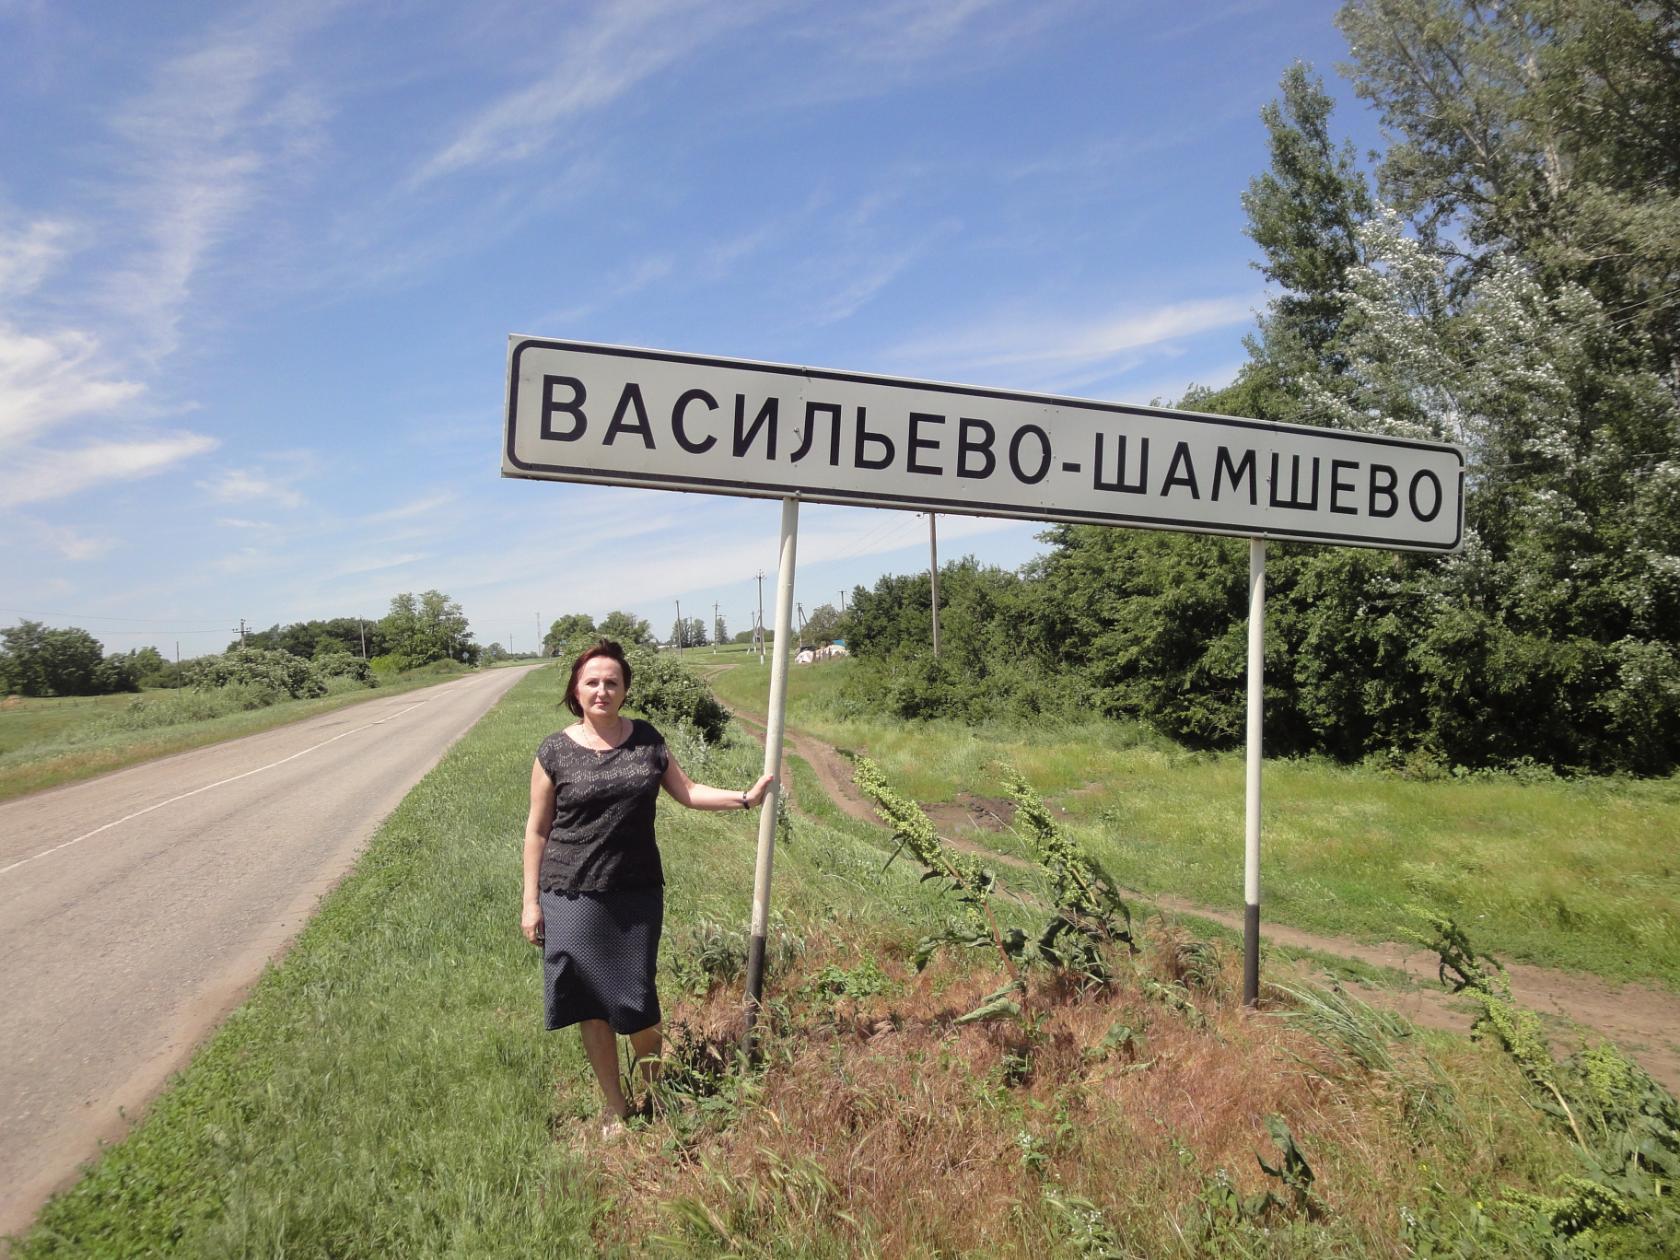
(594, 886)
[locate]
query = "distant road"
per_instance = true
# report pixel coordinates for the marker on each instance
(137, 909)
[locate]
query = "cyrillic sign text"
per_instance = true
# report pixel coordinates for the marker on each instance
(620, 416)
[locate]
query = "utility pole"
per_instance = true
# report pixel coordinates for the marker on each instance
(715, 635)
(362, 627)
(680, 626)
(842, 601)
(242, 632)
(758, 621)
(933, 552)
(177, 653)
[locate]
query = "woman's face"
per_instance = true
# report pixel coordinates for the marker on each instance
(600, 687)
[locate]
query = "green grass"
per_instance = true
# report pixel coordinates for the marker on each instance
(1575, 874)
(387, 1089)
(48, 742)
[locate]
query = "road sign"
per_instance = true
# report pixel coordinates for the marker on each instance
(616, 415)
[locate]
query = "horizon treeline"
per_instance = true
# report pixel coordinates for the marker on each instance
(1507, 278)
(36, 660)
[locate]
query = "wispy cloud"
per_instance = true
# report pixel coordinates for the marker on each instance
(1026, 339)
(906, 32)
(876, 48)
(29, 252)
(374, 564)
(242, 485)
(35, 475)
(189, 154)
(198, 143)
(600, 58)
(864, 284)
(865, 255)
(66, 541)
(49, 379)
(421, 506)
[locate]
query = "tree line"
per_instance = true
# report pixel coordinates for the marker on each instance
(1508, 279)
(36, 660)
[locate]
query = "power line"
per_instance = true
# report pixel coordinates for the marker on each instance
(154, 621)
(894, 521)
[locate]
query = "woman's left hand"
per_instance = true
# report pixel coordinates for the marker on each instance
(756, 792)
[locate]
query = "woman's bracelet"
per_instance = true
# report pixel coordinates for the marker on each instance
(745, 804)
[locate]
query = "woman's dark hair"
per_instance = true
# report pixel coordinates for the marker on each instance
(601, 647)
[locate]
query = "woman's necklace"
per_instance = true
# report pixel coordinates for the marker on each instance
(600, 743)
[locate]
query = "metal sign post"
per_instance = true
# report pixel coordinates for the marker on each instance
(772, 765)
(1251, 802)
(622, 416)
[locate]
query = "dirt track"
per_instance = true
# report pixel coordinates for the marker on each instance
(1643, 1020)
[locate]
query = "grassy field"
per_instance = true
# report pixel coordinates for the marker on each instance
(48, 742)
(387, 1089)
(1576, 874)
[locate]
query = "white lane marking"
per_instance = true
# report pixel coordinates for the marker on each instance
(207, 787)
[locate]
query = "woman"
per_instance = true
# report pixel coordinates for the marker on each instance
(594, 886)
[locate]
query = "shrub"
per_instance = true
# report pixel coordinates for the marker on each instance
(280, 672)
(343, 665)
(114, 674)
(666, 690)
(191, 704)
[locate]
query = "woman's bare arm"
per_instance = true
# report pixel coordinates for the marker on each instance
(537, 823)
(685, 791)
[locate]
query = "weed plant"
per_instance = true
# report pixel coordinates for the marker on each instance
(1625, 1126)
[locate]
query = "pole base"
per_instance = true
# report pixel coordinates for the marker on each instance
(755, 990)
(1251, 955)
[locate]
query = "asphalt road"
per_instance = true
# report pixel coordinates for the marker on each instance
(137, 909)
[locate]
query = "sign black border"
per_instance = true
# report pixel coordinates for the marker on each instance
(924, 503)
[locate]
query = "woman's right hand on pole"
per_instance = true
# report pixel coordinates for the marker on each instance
(531, 923)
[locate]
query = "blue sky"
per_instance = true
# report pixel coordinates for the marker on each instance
(258, 266)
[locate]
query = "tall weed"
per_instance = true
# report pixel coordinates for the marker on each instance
(1626, 1126)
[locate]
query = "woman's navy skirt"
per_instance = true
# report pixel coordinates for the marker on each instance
(599, 955)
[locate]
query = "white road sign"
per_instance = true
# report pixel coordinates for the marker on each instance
(621, 416)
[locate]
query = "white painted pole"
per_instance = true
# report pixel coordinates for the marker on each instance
(933, 560)
(772, 765)
(1256, 714)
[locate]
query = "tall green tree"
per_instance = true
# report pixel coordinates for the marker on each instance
(354, 636)
(426, 628)
(1304, 213)
(626, 629)
(572, 628)
(36, 660)
(688, 632)
(823, 625)
(1558, 626)
(1543, 129)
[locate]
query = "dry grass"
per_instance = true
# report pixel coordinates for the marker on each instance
(878, 1126)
